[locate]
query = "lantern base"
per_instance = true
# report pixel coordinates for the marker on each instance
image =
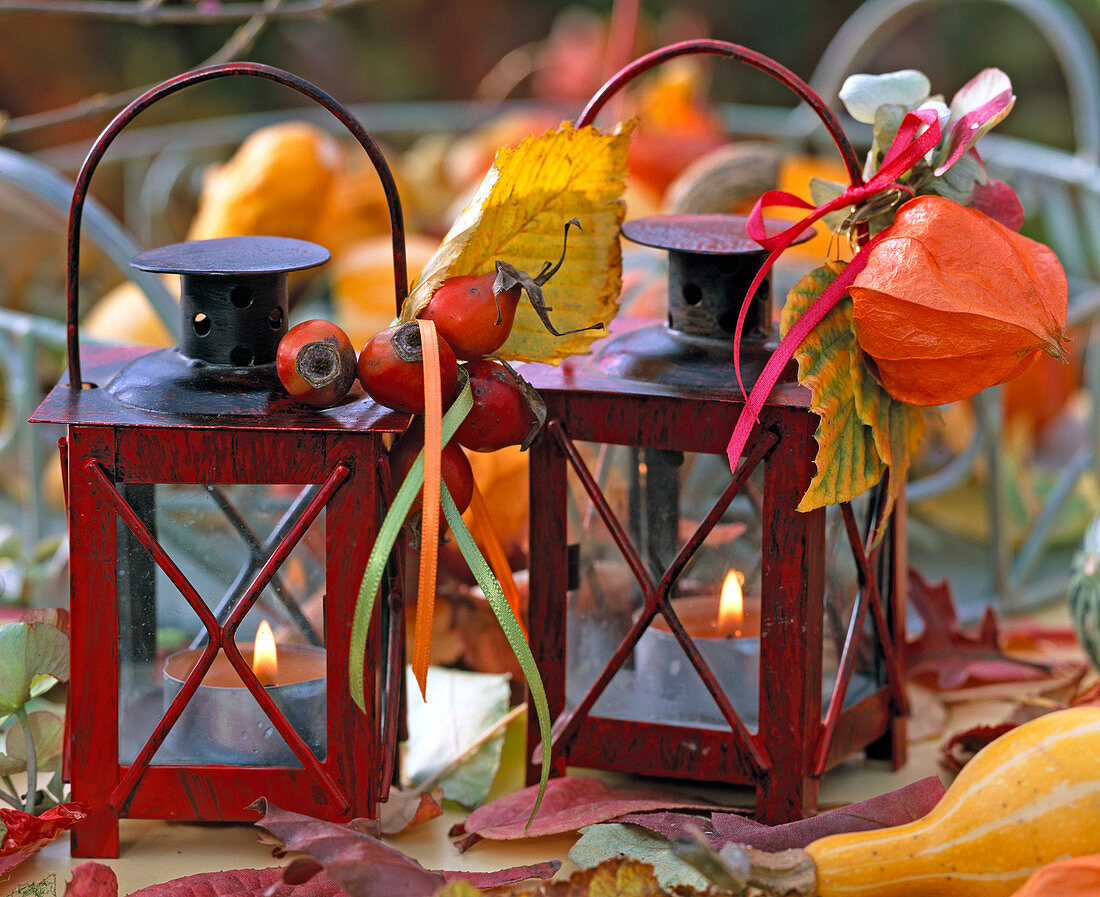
(169, 379)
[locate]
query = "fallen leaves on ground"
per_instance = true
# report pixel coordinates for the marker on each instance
(894, 808)
(405, 809)
(946, 657)
(24, 835)
(92, 880)
(617, 877)
(600, 844)
(570, 803)
(361, 864)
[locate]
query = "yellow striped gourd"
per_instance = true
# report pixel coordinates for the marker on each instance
(1029, 798)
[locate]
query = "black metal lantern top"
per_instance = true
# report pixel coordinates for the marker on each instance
(233, 310)
(712, 262)
(233, 301)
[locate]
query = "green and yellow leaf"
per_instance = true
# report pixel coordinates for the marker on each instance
(863, 428)
(518, 216)
(848, 463)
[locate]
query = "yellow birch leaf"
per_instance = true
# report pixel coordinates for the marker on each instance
(518, 216)
(847, 461)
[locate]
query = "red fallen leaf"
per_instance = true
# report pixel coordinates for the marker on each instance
(904, 805)
(962, 746)
(363, 865)
(241, 883)
(26, 834)
(92, 880)
(404, 809)
(484, 880)
(946, 657)
(570, 803)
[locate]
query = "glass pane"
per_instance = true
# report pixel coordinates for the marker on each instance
(660, 498)
(220, 537)
(842, 600)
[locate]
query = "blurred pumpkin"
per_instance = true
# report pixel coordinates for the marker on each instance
(353, 210)
(276, 184)
(126, 315)
(676, 126)
(362, 283)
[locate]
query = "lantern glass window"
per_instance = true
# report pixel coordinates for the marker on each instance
(219, 537)
(660, 497)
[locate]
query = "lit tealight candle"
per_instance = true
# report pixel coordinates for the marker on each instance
(265, 656)
(726, 630)
(223, 723)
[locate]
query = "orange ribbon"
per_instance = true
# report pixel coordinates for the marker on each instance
(429, 519)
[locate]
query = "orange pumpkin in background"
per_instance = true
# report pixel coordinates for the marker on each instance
(952, 302)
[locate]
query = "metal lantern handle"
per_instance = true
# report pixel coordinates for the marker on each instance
(230, 69)
(743, 54)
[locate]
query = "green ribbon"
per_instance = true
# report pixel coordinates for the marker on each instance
(483, 574)
(509, 625)
(383, 545)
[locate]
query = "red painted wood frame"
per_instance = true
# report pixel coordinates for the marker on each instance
(342, 453)
(795, 741)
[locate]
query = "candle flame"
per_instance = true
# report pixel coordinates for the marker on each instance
(731, 606)
(265, 660)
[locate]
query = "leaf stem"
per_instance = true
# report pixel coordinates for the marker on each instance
(10, 797)
(32, 759)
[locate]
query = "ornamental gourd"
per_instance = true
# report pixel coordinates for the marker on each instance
(1027, 799)
(951, 302)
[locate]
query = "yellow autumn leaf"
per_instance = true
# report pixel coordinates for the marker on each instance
(518, 216)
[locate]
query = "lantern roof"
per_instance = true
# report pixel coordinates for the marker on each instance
(248, 255)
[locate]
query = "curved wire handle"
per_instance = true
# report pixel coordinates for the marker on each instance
(231, 69)
(750, 57)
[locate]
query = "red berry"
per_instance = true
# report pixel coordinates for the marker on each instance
(507, 409)
(315, 362)
(457, 473)
(470, 315)
(391, 368)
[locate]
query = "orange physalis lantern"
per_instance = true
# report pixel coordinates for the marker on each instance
(952, 302)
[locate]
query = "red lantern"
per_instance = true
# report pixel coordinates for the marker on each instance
(641, 523)
(203, 502)
(642, 533)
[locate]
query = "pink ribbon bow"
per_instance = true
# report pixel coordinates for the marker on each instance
(919, 132)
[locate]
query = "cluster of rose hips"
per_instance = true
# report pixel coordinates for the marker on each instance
(473, 316)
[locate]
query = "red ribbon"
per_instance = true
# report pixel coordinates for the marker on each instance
(919, 132)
